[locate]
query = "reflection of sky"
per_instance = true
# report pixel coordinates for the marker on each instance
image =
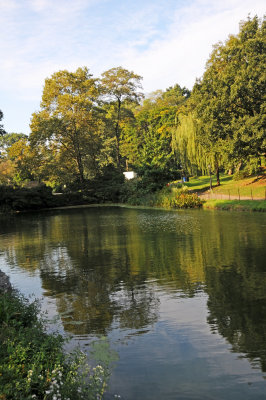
(173, 350)
(176, 355)
(180, 356)
(30, 285)
(28, 282)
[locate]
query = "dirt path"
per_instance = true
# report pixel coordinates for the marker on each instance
(220, 196)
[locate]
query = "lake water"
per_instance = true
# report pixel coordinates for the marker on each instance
(181, 296)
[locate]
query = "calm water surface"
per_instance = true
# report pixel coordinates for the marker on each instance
(180, 295)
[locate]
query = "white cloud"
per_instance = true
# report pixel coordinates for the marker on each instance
(7, 5)
(181, 55)
(165, 42)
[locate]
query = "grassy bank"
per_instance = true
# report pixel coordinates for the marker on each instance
(242, 205)
(140, 192)
(33, 364)
(254, 186)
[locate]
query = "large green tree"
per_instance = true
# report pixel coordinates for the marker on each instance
(8, 165)
(28, 163)
(147, 143)
(8, 139)
(120, 88)
(70, 123)
(229, 101)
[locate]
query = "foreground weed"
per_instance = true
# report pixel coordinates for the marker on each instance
(33, 364)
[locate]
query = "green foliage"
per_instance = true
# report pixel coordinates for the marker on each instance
(86, 124)
(229, 101)
(73, 198)
(107, 186)
(253, 166)
(69, 124)
(171, 197)
(155, 178)
(136, 191)
(7, 140)
(243, 205)
(147, 142)
(28, 162)
(190, 153)
(7, 171)
(132, 192)
(120, 84)
(231, 185)
(238, 176)
(33, 363)
(19, 199)
(167, 197)
(120, 88)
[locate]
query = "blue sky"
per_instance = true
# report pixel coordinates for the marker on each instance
(165, 41)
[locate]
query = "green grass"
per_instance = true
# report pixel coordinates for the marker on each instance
(203, 182)
(198, 183)
(248, 187)
(242, 205)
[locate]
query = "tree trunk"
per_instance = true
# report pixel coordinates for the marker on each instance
(238, 166)
(218, 175)
(80, 168)
(117, 134)
(78, 156)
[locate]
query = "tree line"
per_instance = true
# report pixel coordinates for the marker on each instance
(87, 126)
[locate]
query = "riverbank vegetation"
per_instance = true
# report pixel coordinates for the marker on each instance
(236, 205)
(90, 130)
(170, 196)
(33, 363)
(248, 194)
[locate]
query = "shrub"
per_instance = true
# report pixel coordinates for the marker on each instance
(25, 199)
(238, 176)
(171, 197)
(168, 197)
(32, 362)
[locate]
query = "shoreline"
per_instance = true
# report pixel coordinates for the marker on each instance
(211, 204)
(5, 285)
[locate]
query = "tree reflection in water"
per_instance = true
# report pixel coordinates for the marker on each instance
(106, 267)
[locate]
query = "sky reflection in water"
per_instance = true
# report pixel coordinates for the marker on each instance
(181, 295)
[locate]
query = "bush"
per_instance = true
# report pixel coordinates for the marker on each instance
(238, 176)
(153, 179)
(25, 199)
(168, 197)
(252, 167)
(32, 362)
(22, 199)
(108, 185)
(172, 197)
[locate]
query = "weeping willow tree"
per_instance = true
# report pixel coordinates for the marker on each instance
(192, 155)
(196, 156)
